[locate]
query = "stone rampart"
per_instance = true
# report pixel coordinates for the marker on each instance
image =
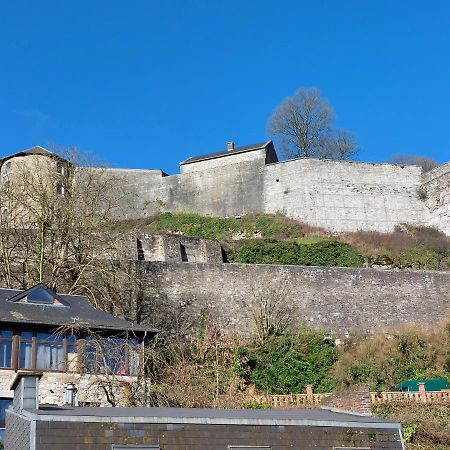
(339, 300)
(339, 196)
(436, 190)
(345, 196)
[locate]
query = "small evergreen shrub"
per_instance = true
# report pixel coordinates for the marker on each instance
(324, 252)
(288, 362)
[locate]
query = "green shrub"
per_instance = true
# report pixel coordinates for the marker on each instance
(324, 252)
(417, 258)
(382, 361)
(287, 363)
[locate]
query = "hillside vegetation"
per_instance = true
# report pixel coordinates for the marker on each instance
(276, 239)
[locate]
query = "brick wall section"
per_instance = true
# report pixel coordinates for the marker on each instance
(335, 299)
(355, 399)
(101, 436)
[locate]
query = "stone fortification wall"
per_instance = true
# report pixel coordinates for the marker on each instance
(436, 189)
(336, 195)
(227, 190)
(345, 196)
(336, 299)
(339, 196)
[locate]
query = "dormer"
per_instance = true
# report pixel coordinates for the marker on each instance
(40, 294)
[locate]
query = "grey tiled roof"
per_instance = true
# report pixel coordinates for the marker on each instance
(247, 148)
(36, 150)
(75, 309)
(316, 416)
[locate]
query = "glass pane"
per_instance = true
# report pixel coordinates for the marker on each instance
(5, 353)
(25, 355)
(50, 337)
(6, 333)
(40, 295)
(50, 357)
(4, 403)
(26, 334)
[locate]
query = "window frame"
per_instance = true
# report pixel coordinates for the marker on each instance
(70, 345)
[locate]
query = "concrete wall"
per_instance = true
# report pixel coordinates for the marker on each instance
(339, 300)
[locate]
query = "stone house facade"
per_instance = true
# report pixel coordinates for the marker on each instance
(70, 341)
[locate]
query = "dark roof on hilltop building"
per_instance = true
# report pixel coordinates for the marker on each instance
(36, 150)
(234, 151)
(61, 310)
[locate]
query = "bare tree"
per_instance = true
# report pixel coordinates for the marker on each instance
(269, 309)
(424, 162)
(303, 124)
(57, 223)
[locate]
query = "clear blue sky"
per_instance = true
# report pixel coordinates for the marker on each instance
(148, 83)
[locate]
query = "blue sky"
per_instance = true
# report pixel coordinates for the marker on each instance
(148, 83)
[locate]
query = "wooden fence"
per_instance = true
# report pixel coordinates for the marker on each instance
(314, 400)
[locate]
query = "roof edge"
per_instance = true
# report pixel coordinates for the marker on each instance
(223, 153)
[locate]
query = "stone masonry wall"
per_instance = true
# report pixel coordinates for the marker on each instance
(436, 188)
(52, 387)
(339, 300)
(339, 196)
(345, 196)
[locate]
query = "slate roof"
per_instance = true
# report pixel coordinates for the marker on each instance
(219, 154)
(304, 416)
(36, 150)
(74, 309)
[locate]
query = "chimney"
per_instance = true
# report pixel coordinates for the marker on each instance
(355, 399)
(230, 146)
(26, 390)
(70, 394)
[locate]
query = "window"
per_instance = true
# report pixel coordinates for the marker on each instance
(136, 447)
(5, 215)
(112, 356)
(40, 295)
(49, 351)
(247, 447)
(4, 404)
(26, 350)
(6, 337)
(7, 168)
(183, 252)
(60, 189)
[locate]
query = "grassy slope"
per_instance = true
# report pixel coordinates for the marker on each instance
(276, 239)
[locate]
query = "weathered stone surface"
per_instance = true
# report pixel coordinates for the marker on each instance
(339, 300)
(339, 196)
